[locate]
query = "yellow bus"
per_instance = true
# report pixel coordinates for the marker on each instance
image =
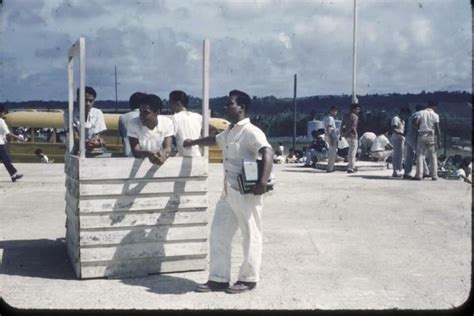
(45, 130)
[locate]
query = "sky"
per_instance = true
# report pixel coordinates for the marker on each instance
(255, 45)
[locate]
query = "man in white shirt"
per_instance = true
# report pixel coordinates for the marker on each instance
(150, 134)
(124, 120)
(94, 122)
(365, 144)
(411, 135)
(4, 157)
(381, 148)
(429, 133)
(187, 125)
(240, 141)
(331, 137)
(398, 140)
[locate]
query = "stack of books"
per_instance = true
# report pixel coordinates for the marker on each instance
(251, 173)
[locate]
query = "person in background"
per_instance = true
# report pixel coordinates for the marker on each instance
(398, 139)
(381, 148)
(291, 158)
(427, 124)
(317, 151)
(281, 148)
(410, 140)
(240, 141)
(150, 134)
(349, 131)
(365, 144)
(187, 125)
(331, 137)
(39, 152)
(94, 123)
(124, 120)
(4, 135)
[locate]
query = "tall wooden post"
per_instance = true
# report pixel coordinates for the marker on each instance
(205, 94)
(354, 56)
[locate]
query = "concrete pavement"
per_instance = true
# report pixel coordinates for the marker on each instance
(331, 241)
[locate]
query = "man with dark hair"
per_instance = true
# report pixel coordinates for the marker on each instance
(4, 157)
(125, 118)
(241, 141)
(398, 139)
(331, 137)
(150, 134)
(349, 132)
(94, 122)
(428, 140)
(187, 125)
(381, 147)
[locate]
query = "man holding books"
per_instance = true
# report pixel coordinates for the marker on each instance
(241, 142)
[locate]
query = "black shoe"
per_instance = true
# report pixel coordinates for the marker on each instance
(434, 179)
(212, 286)
(16, 177)
(240, 287)
(426, 176)
(415, 178)
(328, 171)
(407, 177)
(350, 171)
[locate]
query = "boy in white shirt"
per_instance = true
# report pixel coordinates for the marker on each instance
(150, 134)
(187, 125)
(381, 147)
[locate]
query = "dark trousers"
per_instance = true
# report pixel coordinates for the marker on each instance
(6, 160)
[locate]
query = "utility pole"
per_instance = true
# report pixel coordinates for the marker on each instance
(354, 56)
(116, 97)
(294, 114)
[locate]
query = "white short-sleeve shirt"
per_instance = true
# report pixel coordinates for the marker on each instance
(379, 143)
(330, 122)
(94, 124)
(241, 142)
(428, 118)
(367, 139)
(187, 125)
(150, 139)
(4, 131)
(398, 125)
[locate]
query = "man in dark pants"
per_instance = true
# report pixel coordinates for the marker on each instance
(4, 134)
(240, 141)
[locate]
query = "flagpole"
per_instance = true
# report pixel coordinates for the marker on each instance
(354, 56)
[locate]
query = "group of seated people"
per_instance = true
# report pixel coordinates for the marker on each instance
(144, 132)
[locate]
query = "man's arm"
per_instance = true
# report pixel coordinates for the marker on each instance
(137, 150)
(205, 141)
(438, 134)
(10, 135)
(267, 164)
(161, 156)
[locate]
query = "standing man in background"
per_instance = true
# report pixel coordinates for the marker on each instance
(349, 131)
(411, 135)
(398, 140)
(187, 125)
(331, 137)
(4, 157)
(240, 141)
(429, 139)
(125, 118)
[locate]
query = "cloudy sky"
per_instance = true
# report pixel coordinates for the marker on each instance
(256, 46)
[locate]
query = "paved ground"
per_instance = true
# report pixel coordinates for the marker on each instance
(332, 241)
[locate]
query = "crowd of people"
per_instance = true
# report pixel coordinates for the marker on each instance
(411, 139)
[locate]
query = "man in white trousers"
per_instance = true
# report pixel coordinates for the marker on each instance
(331, 137)
(349, 131)
(240, 141)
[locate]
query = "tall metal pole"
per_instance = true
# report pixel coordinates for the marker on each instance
(116, 97)
(294, 115)
(354, 56)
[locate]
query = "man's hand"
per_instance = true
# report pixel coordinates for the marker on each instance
(187, 143)
(94, 143)
(158, 158)
(259, 188)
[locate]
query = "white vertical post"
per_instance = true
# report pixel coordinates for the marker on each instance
(70, 81)
(82, 95)
(205, 94)
(354, 56)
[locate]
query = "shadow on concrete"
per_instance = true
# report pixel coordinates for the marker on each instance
(375, 177)
(306, 170)
(163, 284)
(41, 258)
